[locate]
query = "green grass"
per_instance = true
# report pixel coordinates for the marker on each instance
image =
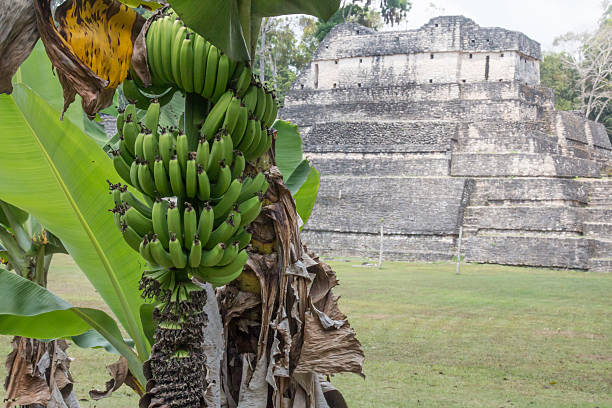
(493, 336)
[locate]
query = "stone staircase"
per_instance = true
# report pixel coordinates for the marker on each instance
(598, 227)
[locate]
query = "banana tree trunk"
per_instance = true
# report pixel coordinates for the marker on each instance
(282, 326)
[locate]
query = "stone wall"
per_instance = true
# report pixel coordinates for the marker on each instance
(421, 131)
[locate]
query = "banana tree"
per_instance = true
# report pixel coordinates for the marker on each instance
(283, 329)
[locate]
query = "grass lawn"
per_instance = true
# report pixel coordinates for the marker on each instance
(491, 337)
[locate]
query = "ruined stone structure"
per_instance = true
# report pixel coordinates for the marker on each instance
(445, 127)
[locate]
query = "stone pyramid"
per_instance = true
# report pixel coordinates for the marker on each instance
(447, 128)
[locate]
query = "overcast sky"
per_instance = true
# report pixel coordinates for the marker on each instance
(541, 20)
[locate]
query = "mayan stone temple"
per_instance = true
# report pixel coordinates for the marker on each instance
(448, 127)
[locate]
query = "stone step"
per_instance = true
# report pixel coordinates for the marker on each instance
(600, 248)
(597, 229)
(600, 265)
(553, 251)
(597, 215)
(522, 165)
(525, 218)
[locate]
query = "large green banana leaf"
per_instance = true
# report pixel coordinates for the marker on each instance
(50, 169)
(33, 311)
(232, 25)
(299, 176)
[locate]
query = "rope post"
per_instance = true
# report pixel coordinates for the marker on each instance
(459, 249)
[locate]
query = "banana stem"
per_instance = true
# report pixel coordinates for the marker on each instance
(244, 10)
(196, 109)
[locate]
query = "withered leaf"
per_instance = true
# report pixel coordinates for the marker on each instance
(120, 374)
(18, 35)
(91, 48)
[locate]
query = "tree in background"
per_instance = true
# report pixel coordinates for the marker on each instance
(581, 74)
(562, 79)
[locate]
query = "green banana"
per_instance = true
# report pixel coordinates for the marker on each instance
(203, 152)
(190, 224)
(263, 146)
(115, 191)
(159, 254)
(158, 43)
(228, 147)
(121, 166)
(182, 151)
(260, 109)
(120, 121)
(134, 174)
(243, 82)
(241, 125)
(151, 119)
(216, 155)
(232, 115)
(150, 36)
(251, 188)
(130, 111)
(161, 179)
(224, 206)
(145, 179)
(249, 134)
(131, 200)
(130, 132)
(210, 79)
(191, 181)
(238, 165)
(257, 137)
(130, 236)
(250, 98)
(224, 274)
(145, 251)
(160, 222)
(176, 178)
(269, 108)
(230, 253)
(165, 148)
(179, 258)
(186, 64)
(244, 238)
(200, 56)
(168, 31)
(175, 222)
(223, 181)
(274, 111)
(124, 151)
(212, 256)
(135, 219)
(195, 255)
(249, 210)
(205, 224)
(215, 117)
(150, 149)
(138, 145)
(203, 184)
(223, 74)
(222, 233)
(176, 55)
